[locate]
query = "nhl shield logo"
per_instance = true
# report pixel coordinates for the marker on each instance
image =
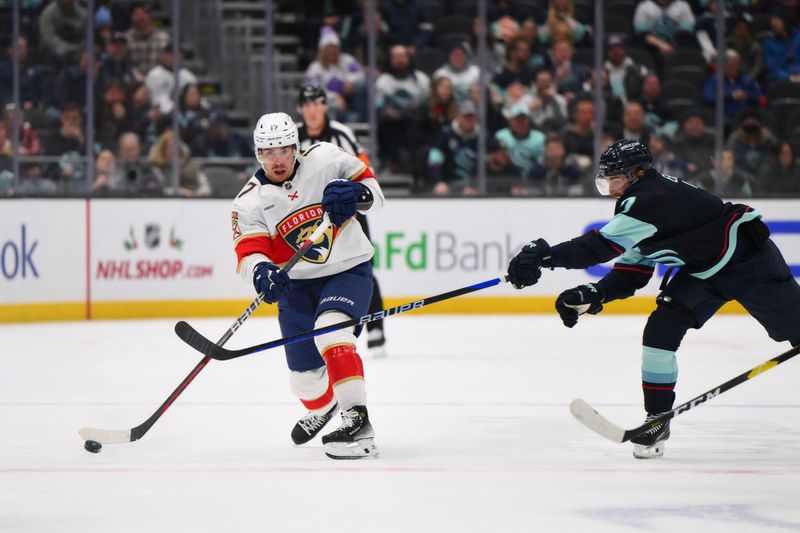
(152, 235)
(297, 227)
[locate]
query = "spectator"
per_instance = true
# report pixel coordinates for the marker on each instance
(731, 181)
(68, 143)
(694, 145)
(568, 77)
(786, 177)
(499, 167)
(548, 109)
(452, 160)
(782, 50)
(657, 112)
(219, 140)
(6, 150)
(6, 164)
(32, 86)
(401, 94)
(142, 115)
(752, 145)
(515, 70)
(145, 43)
(749, 49)
(442, 108)
(705, 28)
(29, 143)
(341, 76)
(62, 27)
(104, 167)
(102, 26)
(612, 105)
(409, 23)
(191, 182)
(579, 136)
(160, 81)
(740, 90)
(633, 126)
(112, 116)
(503, 31)
(524, 144)
(193, 115)
(71, 82)
(460, 71)
(555, 175)
(529, 31)
(562, 25)
(624, 74)
(115, 64)
(664, 24)
(131, 176)
(664, 160)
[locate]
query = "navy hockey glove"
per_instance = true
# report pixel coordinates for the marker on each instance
(583, 299)
(526, 268)
(271, 281)
(339, 200)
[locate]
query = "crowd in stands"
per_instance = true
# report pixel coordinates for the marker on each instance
(133, 92)
(658, 78)
(658, 81)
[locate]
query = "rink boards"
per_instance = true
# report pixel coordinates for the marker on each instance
(79, 259)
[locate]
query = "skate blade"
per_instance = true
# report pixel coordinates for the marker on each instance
(648, 452)
(360, 449)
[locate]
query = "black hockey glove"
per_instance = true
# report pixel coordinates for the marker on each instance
(526, 267)
(271, 281)
(339, 200)
(583, 299)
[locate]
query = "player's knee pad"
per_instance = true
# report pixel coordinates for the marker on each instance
(336, 337)
(667, 325)
(309, 385)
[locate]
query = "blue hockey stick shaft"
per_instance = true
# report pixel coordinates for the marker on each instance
(200, 343)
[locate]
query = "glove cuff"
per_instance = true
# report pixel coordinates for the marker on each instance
(600, 291)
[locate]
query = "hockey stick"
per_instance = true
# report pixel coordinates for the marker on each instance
(593, 420)
(110, 436)
(203, 345)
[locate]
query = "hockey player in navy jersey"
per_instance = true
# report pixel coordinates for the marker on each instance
(722, 250)
(316, 126)
(278, 208)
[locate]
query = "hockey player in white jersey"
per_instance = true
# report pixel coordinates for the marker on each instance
(278, 208)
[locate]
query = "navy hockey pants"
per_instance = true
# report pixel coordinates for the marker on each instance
(349, 292)
(757, 278)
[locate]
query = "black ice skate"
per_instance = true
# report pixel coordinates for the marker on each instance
(354, 439)
(651, 443)
(311, 424)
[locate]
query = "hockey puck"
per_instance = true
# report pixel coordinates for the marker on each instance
(93, 446)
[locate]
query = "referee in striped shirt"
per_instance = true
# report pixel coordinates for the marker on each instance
(317, 127)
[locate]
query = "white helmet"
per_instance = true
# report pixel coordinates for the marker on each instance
(274, 130)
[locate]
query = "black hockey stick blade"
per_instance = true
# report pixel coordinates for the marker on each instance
(593, 420)
(203, 345)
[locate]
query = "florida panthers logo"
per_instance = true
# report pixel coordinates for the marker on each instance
(297, 227)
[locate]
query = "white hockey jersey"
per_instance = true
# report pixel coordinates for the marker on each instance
(270, 221)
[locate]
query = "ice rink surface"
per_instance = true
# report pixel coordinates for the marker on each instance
(471, 419)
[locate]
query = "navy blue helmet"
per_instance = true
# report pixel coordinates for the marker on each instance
(624, 156)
